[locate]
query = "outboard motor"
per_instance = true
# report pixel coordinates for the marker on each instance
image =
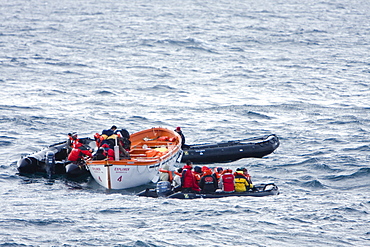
(163, 188)
(50, 163)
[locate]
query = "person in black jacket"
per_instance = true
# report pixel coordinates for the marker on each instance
(179, 131)
(208, 183)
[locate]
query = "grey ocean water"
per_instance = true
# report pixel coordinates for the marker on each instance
(221, 70)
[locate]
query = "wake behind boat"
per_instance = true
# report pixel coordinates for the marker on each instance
(150, 150)
(231, 150)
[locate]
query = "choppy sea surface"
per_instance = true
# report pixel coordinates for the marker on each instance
(222, 70)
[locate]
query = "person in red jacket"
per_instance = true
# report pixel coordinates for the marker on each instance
(109, 151)
(188, 180)
(78, 152)
(227, 181)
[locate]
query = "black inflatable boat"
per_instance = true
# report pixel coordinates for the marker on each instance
(231, 150)
(161, 191)
(53, 161)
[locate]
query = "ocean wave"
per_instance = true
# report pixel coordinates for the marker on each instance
(361, 173)
(110, 211)
(158, 87)
(65, 64)
(105, 92)
(363, 148)
(41, 222)
(314, 184)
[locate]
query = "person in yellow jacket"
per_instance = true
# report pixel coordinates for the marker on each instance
(241, 182)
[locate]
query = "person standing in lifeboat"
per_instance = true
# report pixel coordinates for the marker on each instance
(72, 138)
(179, 131)
(188, 180)
(227, 181)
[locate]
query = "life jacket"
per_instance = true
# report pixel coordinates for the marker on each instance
(73, 140)
(241, 183)
(97, 139)
(227, 182)
(161, 151)
(163, 138)
(249, 178)
(151, 153)
(197, 177)
(172, 139)
(113, 136)
(217, 174)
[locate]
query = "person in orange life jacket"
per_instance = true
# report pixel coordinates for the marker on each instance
(188, 181)
(179, 131)
(109, 151)
(208, 183)
(217, 174)
(197, 171)
(241, 182)
(72, 138)
(227, 181)
(78, 152)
